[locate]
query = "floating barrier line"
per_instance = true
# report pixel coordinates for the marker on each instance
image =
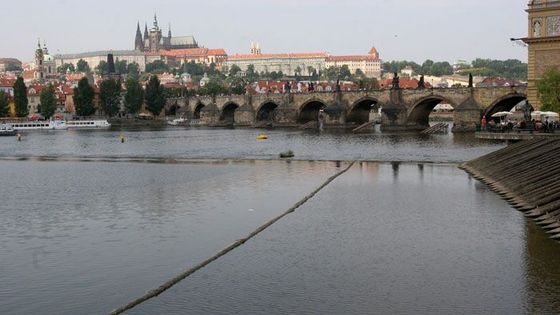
(167, 285)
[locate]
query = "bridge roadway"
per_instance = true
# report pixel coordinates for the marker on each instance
(401, 109)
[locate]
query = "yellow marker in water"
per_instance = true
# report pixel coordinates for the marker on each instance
(18, 136)
(122, 138)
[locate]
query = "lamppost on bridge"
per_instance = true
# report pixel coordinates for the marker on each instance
(519, 41)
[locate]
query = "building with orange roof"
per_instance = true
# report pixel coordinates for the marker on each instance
(369, 64)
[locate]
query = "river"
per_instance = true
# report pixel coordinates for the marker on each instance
(89, 223)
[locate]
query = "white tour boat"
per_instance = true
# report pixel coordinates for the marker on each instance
(178, 122)
(88, 124)
(40, 125)
(60, 124)
(7, 130)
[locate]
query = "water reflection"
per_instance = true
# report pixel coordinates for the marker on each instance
(432, 243)
(542, 264)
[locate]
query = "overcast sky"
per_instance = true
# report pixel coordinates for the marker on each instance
(400, 29)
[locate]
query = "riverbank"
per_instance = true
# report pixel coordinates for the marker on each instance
(526, 175)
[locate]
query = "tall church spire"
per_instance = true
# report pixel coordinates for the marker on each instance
(138, 42)
(145, 30)
(169, 32)
(155, 21)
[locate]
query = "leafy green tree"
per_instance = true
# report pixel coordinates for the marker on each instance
(20, 98)
(237, 86)
(65, 68)
(549, 90)
(344, 73)
(427, 67)
(157, 66)
(48, 101)
(102, 67)
(4, 104)
(133, 69)
(511, 68)
(82, 66)
(213, 87)
(110, 96)
(121, 67)
(83, 98)
(252, 75)
(134, 96)
(397, 66)
(234, 70)
(155, 97)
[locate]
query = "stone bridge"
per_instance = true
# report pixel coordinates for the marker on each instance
(400, 109)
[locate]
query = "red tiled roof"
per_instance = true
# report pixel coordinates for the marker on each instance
(7, 82)
(285, 55)
(352, 58)
(190, 52)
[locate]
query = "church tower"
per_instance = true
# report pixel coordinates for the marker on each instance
(39, 59)
(155, 37)
(138, 42)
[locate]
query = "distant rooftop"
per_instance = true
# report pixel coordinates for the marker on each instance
(115, 53)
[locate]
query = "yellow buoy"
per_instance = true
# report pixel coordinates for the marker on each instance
(18, 136)
(122, 139)
(262, 137)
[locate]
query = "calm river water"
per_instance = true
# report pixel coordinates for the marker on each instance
(89, 223)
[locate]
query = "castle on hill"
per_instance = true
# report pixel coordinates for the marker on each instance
(154, 41)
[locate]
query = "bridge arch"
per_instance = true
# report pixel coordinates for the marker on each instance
(505, 103)
(422, 108)
(360, 110)
(197, 108)
(228, 113)
(309, 111)
(266, 111)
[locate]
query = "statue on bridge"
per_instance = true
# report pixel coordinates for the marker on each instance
(421, 83)
(395, 85)
(288, 87)
(527, 110)
(470, 80)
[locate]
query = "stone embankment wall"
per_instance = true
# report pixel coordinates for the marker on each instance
(527, 175)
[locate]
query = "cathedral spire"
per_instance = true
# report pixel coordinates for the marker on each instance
(155, 21)
(169, 32)
(145, 30)
(138, 42)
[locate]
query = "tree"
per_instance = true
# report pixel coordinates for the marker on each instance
(549, 90)
(252, 75)
(4, 105)
(20, 98)
(110, 96)
(213, 87)
(237, 86)
(83, 98)
(155, 97)
(427, 66)
(121, 66)
(82, 66)
(134, 96)
(65, 68)
(102, 67)
(234, 70)
(133, 69)
(156, 66)
(48, 101)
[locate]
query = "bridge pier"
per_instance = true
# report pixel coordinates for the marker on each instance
(210, 115)
(394, 114)
(466, 116)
